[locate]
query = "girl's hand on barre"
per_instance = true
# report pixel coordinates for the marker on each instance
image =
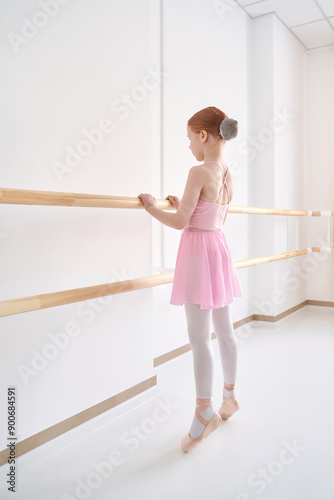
(148, 200)
(175, 200)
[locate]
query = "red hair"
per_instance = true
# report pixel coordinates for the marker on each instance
(208, 119)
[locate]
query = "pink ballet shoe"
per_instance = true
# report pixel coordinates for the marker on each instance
(188, 443)
(228, 407)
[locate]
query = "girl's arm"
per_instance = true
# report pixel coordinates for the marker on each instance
(167, 218)
(188, 203)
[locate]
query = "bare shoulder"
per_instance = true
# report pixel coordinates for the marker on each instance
(197, 168)
(197, 172)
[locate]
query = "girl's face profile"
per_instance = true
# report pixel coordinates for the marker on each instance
(196, 145)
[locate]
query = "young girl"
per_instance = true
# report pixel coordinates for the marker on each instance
(205, 275)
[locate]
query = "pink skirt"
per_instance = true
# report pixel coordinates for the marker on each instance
(205, 272)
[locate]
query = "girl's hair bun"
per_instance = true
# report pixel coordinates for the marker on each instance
(228, 129)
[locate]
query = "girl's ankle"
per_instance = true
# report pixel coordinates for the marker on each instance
(229, 391)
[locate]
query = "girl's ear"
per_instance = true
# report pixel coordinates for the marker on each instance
(203, 135)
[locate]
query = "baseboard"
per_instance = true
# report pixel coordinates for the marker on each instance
(322, 303)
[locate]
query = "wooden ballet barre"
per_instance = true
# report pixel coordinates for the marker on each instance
(51, 198)
(37, 302)
(279, 256)
(237, 209)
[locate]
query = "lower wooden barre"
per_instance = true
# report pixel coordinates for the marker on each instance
(270, 258)
(37, 302)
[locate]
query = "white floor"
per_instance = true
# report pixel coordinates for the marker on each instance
(280, 445)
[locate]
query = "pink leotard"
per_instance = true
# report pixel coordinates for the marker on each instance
(209, 215)
(205, 272)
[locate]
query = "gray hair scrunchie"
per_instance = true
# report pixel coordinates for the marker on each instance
(228, 129)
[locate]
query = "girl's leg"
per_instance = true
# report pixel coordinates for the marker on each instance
(228, 347)
(199, 332)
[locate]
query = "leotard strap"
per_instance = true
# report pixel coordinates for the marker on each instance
(228, 191)
(224, 181)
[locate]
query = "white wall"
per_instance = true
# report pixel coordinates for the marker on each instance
(320, 167)
(289, 166)
(260, 153)
(279, 170)
(67, 78)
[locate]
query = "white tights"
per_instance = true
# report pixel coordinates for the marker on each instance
(199, 332)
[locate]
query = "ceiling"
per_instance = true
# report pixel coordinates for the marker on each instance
(311, 21)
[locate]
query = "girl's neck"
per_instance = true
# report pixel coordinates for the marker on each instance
(214, 154)
(217, 158)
